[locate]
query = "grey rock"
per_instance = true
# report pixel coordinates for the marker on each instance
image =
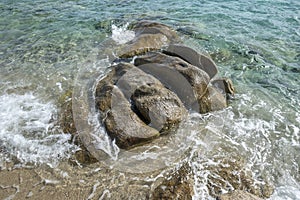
(197, 78)
(194, 58)
(174, 81)
(129, 99)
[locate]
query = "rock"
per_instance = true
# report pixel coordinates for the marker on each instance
(194, 58)
(142, 44)
(225, 85)
(123, 125)
(161, 108)
(148, 36)
(197, 78)
(105, 86)
(232, 174)
(192, 32)
(125, 121)
(178, 185)
(238, 195)
(212, 100)
(66, 122)
(150, 27)
(174, 81)
(133, 79)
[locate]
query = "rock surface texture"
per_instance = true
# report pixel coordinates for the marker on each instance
(167, 79)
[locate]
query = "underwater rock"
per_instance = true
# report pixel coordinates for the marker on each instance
(238, 195)
(178, 185)
(194, 58)
(161, 108)
(232, 174)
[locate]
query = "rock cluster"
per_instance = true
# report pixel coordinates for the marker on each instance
(153, 83)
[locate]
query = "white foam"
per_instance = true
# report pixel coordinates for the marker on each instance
(121, 35)
(26, 131)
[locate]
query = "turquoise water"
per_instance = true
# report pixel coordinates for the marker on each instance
(44, 44)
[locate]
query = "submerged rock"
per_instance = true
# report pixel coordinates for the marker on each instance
(178, 185)
(238, 195)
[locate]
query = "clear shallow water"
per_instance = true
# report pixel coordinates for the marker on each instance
(44, 44)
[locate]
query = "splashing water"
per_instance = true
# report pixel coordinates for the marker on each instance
(27, 132)
(121, 35)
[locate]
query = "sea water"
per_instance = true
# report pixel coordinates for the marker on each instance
(44, 45)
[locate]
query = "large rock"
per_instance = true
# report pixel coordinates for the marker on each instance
(194, 58)
(161, 108)
(129, 99)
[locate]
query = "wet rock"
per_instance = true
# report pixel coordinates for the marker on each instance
(212, 100)
(151, 27)
(174, 81)
(128, 99)
(233, 175)
(178, 185)
(104, 86)
(133, 79)
(194, 58)
(196, 78)
(161, 108)
(225, 85)
(192, 32)
(148, 36)
(142, 44)
(123, 125)
(238, 195)
(66, 122)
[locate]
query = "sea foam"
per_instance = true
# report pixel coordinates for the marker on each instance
(28, 132)
(121, 35)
